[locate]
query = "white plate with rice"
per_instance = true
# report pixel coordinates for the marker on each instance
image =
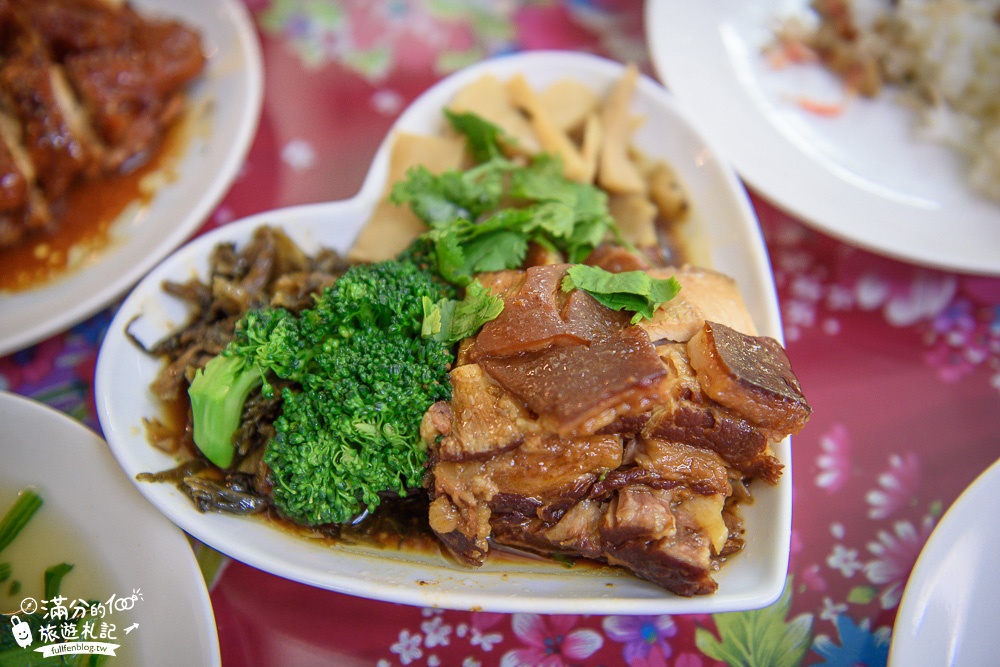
(861, 175)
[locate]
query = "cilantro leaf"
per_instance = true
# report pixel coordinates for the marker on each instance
(449, 321)
(482, 136)
(486, 217)
(636, 291)
(452, 195)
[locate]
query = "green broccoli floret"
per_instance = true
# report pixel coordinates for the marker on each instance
(363, 376)
(353, 429)
(265, 341)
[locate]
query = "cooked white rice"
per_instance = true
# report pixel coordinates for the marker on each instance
(944, 56)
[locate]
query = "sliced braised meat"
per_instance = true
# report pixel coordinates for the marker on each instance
(680, 562)
(483, 419)
(657, 534)
(87, 89)
(578, 531)
(569, 433)
(690, 417)
(541, 471)
(751, 375)
(580, 389)
(712, 427)
(638, 513)
(696, 468)
(705, 295)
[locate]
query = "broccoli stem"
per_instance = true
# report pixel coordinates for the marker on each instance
(217, 394)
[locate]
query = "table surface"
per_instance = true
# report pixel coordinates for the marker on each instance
(901, 365)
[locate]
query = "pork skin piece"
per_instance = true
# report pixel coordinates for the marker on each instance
(572, 361)
(538, 315)
(579, 389)
(705, 295)
(689, 417)
(542, 470)
(750, 375)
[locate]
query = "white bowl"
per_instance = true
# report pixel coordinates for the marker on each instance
(118, 544)
(753, 579)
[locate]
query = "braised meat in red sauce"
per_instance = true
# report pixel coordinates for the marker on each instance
(573, 433)
(88, 89)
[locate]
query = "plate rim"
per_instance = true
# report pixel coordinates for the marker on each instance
(908, 614)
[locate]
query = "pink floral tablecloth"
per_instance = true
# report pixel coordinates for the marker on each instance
(901, 364)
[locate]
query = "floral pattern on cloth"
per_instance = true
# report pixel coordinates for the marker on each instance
(59, 371)
(762, 638)
(373, 39)
(866, 499)
(956, 318)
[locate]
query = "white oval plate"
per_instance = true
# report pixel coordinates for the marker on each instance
(753, 579)
(226, 102)
(948, 612)
(78, 478)
(860, 177)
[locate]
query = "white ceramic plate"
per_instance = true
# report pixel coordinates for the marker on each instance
(860, 177)
(753, 579)
(226, 104)
(948, 612)
(81, 484)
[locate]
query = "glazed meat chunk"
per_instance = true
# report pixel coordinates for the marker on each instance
(571, 433)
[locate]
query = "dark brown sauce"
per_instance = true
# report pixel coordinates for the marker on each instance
(81, 228)
(397, 525)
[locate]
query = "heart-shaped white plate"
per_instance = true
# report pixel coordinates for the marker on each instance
(733, 244)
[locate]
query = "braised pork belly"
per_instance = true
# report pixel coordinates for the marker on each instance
(573, 433)
(88, 88)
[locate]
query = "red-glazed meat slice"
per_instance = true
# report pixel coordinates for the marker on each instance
(59, 154)
(539, 315)
(131, 91)
(582, 388)
(750, 375)
(13, 184)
